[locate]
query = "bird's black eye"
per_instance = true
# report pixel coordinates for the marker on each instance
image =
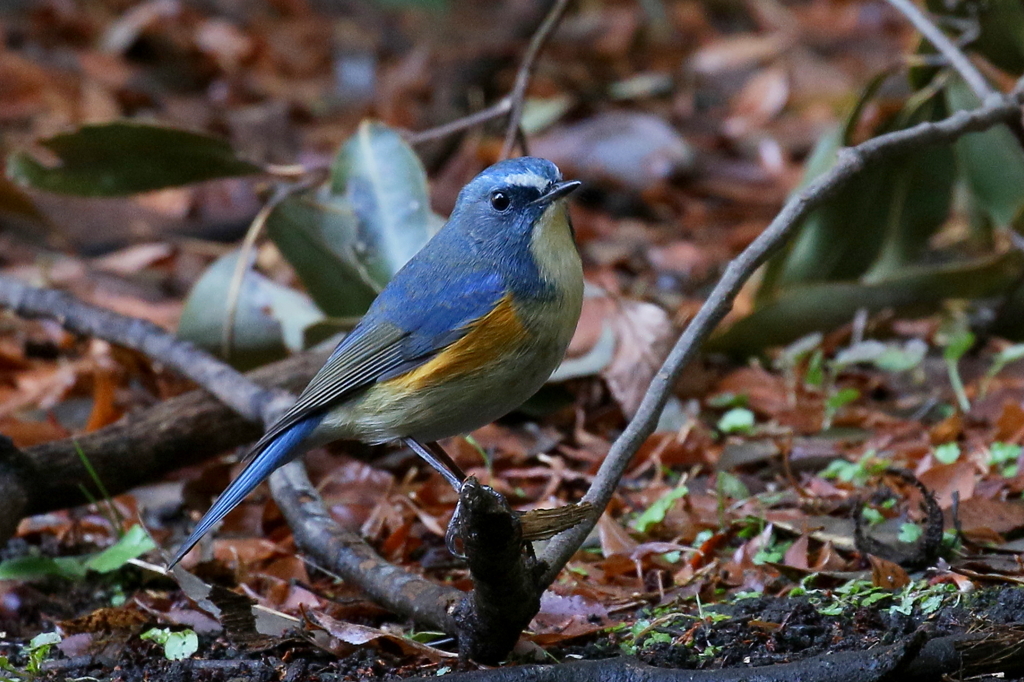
(500, 201)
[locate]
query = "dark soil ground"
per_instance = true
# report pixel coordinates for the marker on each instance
(749, 632)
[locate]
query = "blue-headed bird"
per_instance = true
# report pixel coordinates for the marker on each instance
(463, 334)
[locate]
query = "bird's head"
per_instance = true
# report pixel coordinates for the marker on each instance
(511, 198)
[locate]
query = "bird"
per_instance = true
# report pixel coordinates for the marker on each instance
(464, 333)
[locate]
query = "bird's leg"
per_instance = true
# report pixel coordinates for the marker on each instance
(434, 455)
(440, 453)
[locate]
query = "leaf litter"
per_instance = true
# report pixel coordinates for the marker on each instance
(747, 490)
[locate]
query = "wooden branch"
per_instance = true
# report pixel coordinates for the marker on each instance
(851, 163)
(185, 430)
(228, 385)
(346, 554)
(506, 594)
(189, 428)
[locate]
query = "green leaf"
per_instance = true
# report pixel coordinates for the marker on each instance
(736, 420)
(540, 114)
(1001, 453)
(909, 532)
(957, 345)
(918, 203)
(867, 351)
(996, 29)
(386, 186)
(43, 639)
(1004, 456)
(947, 453)
(992, 161)
(181, 645)
(270, 319)
(901, 359)
(319, 234)
(347, 239)
(38, 650)
(872, 516)
(841, 239)
(889, 211)
(727, 399)
(132, 545)
(655, 514)
(1009, 354)
(37, 568)
(177, 645)
(729, 485)
(792, 354)
(888, 357)
(826, 306)
(115, 159)
(841, 398)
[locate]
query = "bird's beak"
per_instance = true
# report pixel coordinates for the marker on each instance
(556, 191)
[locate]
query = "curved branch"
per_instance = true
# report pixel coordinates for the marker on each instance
(953, 54)
(851, 163)
(228, 385)
(487, 622)
(496, 110)
(345, 553)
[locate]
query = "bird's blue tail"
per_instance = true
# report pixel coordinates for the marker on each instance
(279, 452)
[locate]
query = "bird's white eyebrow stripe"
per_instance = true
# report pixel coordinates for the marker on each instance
(527, 180)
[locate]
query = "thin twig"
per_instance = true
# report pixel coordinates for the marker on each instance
(953, 54)
(281, 192)
(518, 94)
(851, 163)
(496, 110)
(512, 103)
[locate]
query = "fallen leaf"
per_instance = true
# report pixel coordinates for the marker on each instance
(1000, 516)
(739, 52)
(887, 574)
(344, 638)
(623, 340)
(636, 151)
(564, 617)
(614, 538)
(945, 479)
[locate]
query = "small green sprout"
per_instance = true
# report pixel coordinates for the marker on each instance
(177, 645)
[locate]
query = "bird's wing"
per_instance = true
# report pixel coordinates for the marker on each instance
(403, 329)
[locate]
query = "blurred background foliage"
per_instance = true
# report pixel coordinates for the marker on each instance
(907, 236)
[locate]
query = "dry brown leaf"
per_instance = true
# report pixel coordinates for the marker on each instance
(887, 574)
(623, 340)
(1000, 516)
(944, 479)
(107, 619)
(344, 638)
(564, 617)
(796, 555)
(637, 151)
(614, 538)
